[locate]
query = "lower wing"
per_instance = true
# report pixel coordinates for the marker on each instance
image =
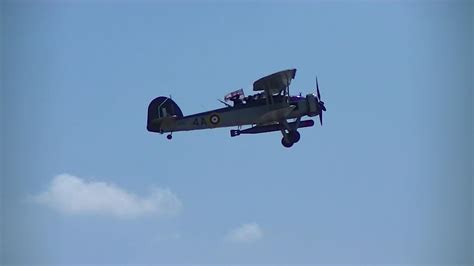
(277, 115)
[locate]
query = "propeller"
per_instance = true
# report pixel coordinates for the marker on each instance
(320, 103)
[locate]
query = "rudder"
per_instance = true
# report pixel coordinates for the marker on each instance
(161, 107)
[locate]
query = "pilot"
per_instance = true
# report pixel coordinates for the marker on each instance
(236, 99)
(249, 99)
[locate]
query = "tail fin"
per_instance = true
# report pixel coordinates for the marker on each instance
(159, 109)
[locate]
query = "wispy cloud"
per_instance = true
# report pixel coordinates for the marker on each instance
(73, 195)
(245, 233)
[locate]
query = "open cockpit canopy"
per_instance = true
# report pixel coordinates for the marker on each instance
(276, 82)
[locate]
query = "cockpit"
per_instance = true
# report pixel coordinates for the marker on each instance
(272, 89)
(239, 99)
(255, 98)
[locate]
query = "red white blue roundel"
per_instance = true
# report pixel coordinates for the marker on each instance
(214, 119)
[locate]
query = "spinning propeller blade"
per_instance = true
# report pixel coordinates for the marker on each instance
(317, 89)
(320, 103)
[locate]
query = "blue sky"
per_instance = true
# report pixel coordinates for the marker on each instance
(387, 179)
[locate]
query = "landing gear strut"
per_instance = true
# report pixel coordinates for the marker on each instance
(290, 133)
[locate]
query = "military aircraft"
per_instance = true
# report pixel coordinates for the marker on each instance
(271, 109)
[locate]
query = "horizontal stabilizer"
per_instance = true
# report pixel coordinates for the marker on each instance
(164, 121)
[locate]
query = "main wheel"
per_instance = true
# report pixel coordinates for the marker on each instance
(169, 136)
(285, 143)
(294, 136)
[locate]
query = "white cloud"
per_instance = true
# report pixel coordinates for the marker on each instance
(72, 195)
(245, 233)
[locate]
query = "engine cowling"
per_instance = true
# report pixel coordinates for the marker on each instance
(312, 105)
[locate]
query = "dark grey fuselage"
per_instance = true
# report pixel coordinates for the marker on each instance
(242, 114)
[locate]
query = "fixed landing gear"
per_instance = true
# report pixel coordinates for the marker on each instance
(290, 138)
(169, 136)
(286, 143)
(294, 136)
(290, 133)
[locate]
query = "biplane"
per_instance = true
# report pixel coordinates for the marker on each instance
(270, 109)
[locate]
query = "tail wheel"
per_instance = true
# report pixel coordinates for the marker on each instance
(169, 136)
(294, 136)
(285, 143)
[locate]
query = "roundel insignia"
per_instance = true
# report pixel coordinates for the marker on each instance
(214, 119)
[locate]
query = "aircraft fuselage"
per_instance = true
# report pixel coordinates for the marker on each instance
(240, 115)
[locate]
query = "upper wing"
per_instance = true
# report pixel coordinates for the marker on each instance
(275, 82)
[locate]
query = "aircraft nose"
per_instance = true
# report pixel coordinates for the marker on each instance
(321, 104)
